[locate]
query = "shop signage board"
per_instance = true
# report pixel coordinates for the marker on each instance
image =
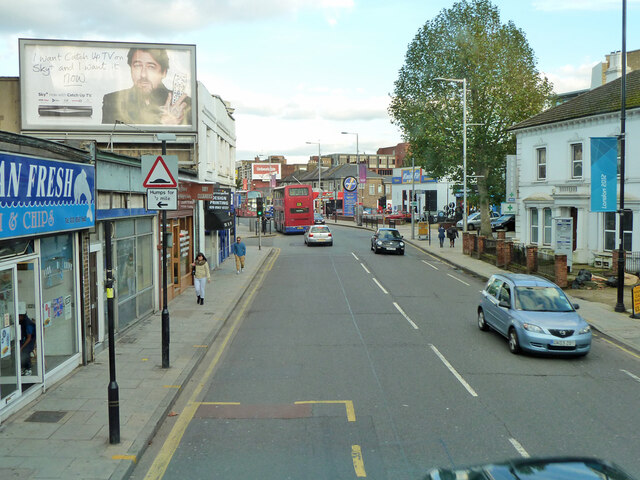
(349, 202)
(511, 179)
(40, 196)
(635, 302)
(162, 198)
(221, 200)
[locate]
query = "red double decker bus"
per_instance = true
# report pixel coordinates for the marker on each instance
(292, 208)
(247, 203)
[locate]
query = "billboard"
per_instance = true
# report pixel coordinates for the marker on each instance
(264, 171)
(98, 86)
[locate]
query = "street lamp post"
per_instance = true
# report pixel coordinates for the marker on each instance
(358, 163)
(464, 145)
(319, 174)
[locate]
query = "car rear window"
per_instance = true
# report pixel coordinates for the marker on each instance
(320, 229)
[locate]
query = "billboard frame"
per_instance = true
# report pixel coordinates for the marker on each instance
(45, 66)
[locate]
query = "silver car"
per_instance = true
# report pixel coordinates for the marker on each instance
(534, 315)
(473, 220)
(318, 235)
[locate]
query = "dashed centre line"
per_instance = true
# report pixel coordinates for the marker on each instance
(354, 256)
(519, 448)
(453, 370)
(365, 268)
(635, 377)
(405, 315)
(381, 287)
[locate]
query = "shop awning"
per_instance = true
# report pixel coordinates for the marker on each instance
(217, 220)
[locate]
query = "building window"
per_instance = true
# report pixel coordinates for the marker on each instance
(611, 235)
(541, 162)
(372, 189)
(534, 225)
(387, 189)
(547, 226)
(576, 160)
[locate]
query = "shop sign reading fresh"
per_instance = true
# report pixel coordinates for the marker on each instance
(43, 196)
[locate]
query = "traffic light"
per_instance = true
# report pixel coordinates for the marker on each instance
(259, 207)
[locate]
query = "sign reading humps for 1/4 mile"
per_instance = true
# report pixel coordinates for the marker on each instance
(162, 198)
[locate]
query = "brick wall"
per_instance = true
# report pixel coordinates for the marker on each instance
(561, 270)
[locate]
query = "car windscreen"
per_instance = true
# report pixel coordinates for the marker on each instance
(389, 234)
(319, 230)
(542, 299)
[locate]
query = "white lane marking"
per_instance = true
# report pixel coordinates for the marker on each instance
(381, 287)
(432, 266)
(354, 256)
(405, 316)
(523, 453)
(455, 373)
(456, 278)
(637, 379)
(365, 268)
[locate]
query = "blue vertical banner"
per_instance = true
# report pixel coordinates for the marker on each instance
(604, 174)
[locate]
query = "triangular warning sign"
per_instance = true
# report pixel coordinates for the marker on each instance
(160, 176)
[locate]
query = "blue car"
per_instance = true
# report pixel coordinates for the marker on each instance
(534, 314)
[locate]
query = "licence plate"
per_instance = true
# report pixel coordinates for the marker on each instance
(390, 248)
(563, 343)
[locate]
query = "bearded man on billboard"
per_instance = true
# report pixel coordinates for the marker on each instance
(148, 101)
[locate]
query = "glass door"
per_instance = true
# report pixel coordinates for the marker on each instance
(9, 339)
(30, 327)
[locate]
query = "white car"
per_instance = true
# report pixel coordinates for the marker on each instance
(473, 220)
(318, 235)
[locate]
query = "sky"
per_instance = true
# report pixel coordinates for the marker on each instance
(299, 71)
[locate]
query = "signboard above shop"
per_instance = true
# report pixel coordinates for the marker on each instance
(221, 200)
(41, 196)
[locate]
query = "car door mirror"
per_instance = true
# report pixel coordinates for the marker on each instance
(504, 303)
(576, 306)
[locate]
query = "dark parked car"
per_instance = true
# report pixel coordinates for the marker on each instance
(387, 240)
(560, 468)
(318, 219)
(505, 222)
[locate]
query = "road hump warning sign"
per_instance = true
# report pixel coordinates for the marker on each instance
(159, 175)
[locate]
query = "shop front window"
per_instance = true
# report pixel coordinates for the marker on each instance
(58, 300)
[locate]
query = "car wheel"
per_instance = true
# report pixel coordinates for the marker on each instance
(470, 226)
(401, 252)
(514, 344)
(375, 250)
(482, 324)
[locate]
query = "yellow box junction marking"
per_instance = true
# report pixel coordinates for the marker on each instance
(358, 463)
(351, 413)
(161, 462)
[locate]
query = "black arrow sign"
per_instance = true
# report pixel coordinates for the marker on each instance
(160, 204)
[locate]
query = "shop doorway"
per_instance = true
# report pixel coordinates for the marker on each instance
(20, 330)
(9, 338)
(94, 333)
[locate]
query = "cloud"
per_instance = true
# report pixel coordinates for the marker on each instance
(569, 78)
(582, 5)
(148, 17)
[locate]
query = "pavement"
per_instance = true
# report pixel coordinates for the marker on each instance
(64, 434)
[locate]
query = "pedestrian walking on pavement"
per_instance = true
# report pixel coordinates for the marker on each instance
(239, 249)
(452, 234)
(441, 234)
(201, 275)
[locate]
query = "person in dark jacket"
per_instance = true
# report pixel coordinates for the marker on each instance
(441, 235)
(452, 234)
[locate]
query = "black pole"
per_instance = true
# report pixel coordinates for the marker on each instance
(165, 310)
(623, 113)
(112, 390)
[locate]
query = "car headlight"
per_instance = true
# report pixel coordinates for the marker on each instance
(530, 327)
(586, 329)
(402, 244)
(379, 242)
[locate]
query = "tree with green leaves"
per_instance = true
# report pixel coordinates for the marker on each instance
(467, 41)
